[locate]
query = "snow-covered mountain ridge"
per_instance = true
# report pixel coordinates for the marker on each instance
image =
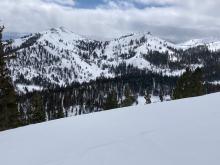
(60, 57)
(170, 133)
(213, 44)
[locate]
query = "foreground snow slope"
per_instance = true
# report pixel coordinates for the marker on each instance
(184, 132)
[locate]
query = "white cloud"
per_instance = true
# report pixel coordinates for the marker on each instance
(61, 2)
(179, 21)
(153, 1)
(119, 4)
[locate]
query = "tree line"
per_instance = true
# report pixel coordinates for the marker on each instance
(56, 102)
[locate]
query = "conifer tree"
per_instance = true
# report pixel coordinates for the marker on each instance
(129, 98)
(59, 113)
(161, 95)
(189, 84)
(197, 84)
(147, 97)
(111, 101)
(38, 113)
(9, 115)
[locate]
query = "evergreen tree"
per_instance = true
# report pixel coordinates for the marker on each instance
(9, 114)
(147, 97)
(129, 98)
(189, 84)
(197, 83)
(111, 101)
(161, 95)
(38, 113)
(59, 114)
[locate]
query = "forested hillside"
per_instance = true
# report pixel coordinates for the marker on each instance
(57, 73)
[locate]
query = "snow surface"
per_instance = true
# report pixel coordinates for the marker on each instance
(213, 44)
(215, 82)
(154, 99)
(183, 132)
(28, 88)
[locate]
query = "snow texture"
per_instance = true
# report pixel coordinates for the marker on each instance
(213, 44)
(183, 132)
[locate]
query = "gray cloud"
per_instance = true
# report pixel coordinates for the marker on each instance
(178, 22)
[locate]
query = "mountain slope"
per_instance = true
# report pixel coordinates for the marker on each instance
(54, 56)
(178, 132)
(213, 44)
(60, 57)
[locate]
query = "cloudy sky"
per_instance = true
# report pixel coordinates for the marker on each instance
(175, 20)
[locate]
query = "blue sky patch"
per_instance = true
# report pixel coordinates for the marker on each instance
(92, 4)
(88, 4)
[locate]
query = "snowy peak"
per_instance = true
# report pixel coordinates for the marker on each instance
(60, 57)
(212, 43)
(56, 56)
(134, 46)
(147, 41)
(54, 35)
(62, 33)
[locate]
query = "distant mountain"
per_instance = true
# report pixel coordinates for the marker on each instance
(213, 44)
(60, 57)
(75, 75)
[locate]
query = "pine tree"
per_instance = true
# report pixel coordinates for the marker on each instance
(9, 114)
(161, 95)
(59, 109)
(59, 113)
(147, 97)
(38, 113)
(129, 98)
(197, 84)
(189, 84)
(111, 101)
